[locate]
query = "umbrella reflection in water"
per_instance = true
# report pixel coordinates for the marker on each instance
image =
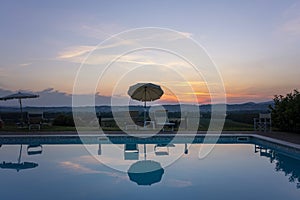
(18, 166)
(145, 172)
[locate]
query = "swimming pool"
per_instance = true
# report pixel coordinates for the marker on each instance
(62, 168)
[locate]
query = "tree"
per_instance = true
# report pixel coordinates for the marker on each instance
(286, 111)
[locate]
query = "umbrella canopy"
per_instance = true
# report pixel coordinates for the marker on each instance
(145, 92)
(19, 96)
(145, 172)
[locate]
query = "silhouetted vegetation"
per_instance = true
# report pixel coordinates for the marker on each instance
(243, 117)
(287, 165)
(284, 163)
(286, 112)
(64, 120)
(13, 117)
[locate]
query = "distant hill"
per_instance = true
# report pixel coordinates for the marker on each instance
(250, 106)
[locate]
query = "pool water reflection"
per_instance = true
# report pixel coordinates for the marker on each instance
(230, 171)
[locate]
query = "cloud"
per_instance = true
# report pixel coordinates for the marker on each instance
(52, 97)
(99, 31)
(119, 44)
(291, 23)
(3, 74)
(77, 54)
(292, 26)
(75, 51)
(25, 64)
(76, 167)
(178, 183)
(241, 96)
(4, 92)
(106, 30)
(113, 157)
(186, 34)
(293, 10)
(187, 83)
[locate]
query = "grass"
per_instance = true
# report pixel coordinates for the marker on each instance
(229, 125)
(13, 128)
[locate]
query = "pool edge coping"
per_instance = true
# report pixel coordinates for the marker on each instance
(269, 139)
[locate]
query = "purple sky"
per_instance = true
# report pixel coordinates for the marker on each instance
(255, 44)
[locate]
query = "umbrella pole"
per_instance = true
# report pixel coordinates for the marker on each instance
(145, 93)
(145, 152)
(20, 101)
(19, 159)
(145, 113)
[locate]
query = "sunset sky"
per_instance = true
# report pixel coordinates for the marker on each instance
(255, 45)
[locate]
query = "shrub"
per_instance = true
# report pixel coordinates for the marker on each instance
(286, 111)
(64, 120)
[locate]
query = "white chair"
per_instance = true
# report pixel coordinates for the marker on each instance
(264, 152)
(263, 123)
(161, 120)
(190, 120)
(35, 119)
(132, 121)
(34, 149)
(131, 152)
(162, 149)
(127, 119)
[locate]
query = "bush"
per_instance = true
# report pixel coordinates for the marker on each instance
(286, 112)
(1, 123)
(242, 117)
(64, 120)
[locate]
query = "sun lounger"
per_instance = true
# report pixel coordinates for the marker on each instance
(34, 149)
(35, 120)
(131, 152)
(161, 120)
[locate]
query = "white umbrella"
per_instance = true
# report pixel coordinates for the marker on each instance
(145, 92)
(20, 96)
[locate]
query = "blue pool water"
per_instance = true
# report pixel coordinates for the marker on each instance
(251, 170)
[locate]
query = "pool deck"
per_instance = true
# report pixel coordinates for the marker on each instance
(293, 138)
